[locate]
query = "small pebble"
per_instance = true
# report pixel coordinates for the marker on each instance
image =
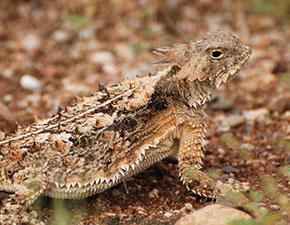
(116, 193)
(124, 50)
(247, 146)
(183, 211)
(30, 42)
(102, 57)
(7, 73)
(224, 177)
(110, 214)
(256, 164)
(60, 36)
(8, 98)
(233, 120)
(168, 214)
(154, 193)
(122, 216)
(34, 99)
(221, 151)
(141, 210)
(33, 214)
(280, 103)
(234, 163)
(188, 206)
(213, 214)
(29, 82)
(222, 104)
(86, 33)
(110, 68)
(275, 207)
(165, 207)
(286, 115)
(256, 115)
(229, 169)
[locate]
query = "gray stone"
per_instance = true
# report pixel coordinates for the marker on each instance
(222, 104)
(229, 169)
(233, 120)
(256, 115)
(213, 214)
(168, 214)
(29, 82)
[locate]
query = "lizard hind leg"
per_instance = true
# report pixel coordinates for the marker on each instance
(14, 209)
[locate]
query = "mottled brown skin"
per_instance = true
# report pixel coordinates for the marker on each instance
(121, 130)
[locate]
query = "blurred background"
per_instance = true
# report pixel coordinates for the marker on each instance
(51, 51)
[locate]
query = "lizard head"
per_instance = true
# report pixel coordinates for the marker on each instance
(216, 58)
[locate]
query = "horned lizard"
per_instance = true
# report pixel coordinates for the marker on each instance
(119, 131)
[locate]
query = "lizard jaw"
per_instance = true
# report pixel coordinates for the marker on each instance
(233, 70)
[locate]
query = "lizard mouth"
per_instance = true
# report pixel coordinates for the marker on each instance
(233, 70)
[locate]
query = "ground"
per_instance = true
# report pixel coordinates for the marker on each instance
(51, 51)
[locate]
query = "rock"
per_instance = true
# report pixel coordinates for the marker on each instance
(233, 120)
(229, 169)
(116, 193)
(60, 36)
(168, 214)
(110, 68)
(256, 164)
(34, 99)
(7, 73)
(221, 151)
(247, 146)
(110, 214)
(222, 104)
(286, 116)
(256, 115)
(213, 214)
(87, 32)
(29, 82)
(188, 206)
(280, 103)
(8, 98)
(124, 50)
(275, 207)
(141, 211)
(102, 57)
(30, 42)
(154, 193)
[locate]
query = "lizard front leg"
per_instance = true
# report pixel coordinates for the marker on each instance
(190, 156)
(14, 209)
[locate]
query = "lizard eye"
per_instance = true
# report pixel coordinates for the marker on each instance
(216, 54)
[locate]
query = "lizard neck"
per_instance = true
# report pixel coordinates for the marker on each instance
(199, 92)
(194, 93)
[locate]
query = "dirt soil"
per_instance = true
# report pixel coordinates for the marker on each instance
(51, 51)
